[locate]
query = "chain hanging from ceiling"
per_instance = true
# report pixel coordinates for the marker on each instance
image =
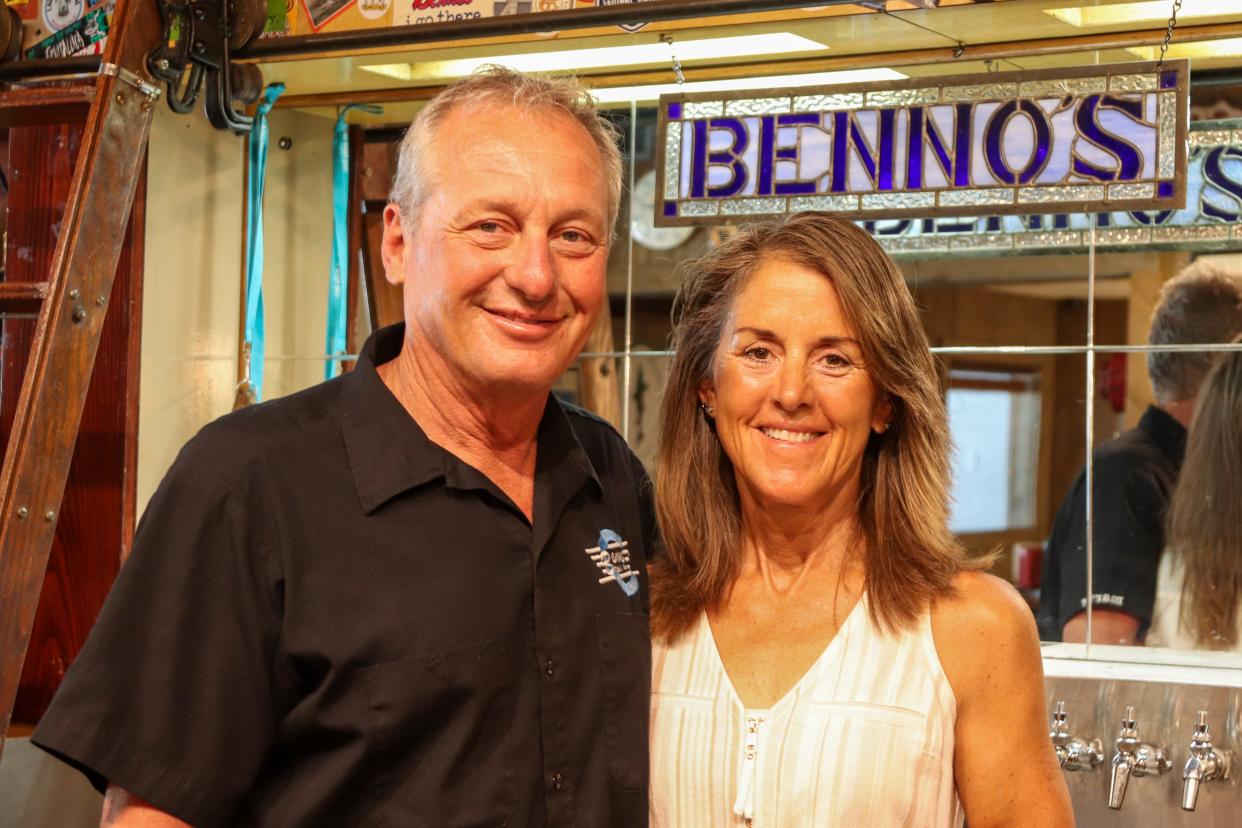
(1168, 32)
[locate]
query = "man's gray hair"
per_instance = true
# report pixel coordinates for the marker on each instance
(1201, 305)
(500, 85)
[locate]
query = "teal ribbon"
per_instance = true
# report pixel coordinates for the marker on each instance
(256, 175)
(338, 309)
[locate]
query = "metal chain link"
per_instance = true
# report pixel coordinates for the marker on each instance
(1168, 32)
(681, 77)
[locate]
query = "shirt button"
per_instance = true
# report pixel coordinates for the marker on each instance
(549, 668)
(557, 782)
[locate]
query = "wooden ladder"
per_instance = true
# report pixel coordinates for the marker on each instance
(119, 103)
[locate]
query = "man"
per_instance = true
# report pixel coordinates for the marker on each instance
(414, 594)
(1135, 473)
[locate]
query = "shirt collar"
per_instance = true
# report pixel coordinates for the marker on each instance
(389, 453)
(1166, 432)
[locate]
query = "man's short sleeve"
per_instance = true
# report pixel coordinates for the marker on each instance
(174, 696)
(1127, 518)
(1128, 538)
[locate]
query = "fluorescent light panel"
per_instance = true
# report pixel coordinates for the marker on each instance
(776, 43)
(1148, 10)
(1230, 47)
(625, 94)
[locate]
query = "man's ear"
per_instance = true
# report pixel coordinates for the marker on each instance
(392, 245)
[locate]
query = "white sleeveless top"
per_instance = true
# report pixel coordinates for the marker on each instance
(864, 738)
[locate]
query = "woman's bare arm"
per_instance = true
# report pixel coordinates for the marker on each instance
(1004, 765)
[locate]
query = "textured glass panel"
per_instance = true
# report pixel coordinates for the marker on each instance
(961, 198)
(1166, 150)
(1116, 191)
(757, 106)
(903, 97)
(980, 92)
(703, 109)
(699, 208)
(1208, 137)
(1189, 234)
(821, 103)
(752, 206)
(985, 241)
(1123, 235)
(1063, 86)
(1054, 238)
(833, 204)
(921, 243)
(1055, 195)
(1237, 137)
(897, 201)
(1132, 83)
(672, 160)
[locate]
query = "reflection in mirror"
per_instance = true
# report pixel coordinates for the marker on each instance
(1136, 472)
(1199, 580)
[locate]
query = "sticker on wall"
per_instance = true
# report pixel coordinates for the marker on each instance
(508, 7)
(323, 12)
(374, 9)
(60, 14)
(81, 37)
(422, 12)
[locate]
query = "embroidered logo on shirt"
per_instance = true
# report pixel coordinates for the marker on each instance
(612, 556)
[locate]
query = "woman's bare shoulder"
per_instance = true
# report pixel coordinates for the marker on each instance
(984, 632)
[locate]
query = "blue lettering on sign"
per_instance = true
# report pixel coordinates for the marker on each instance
(1020, 145)
(1214, 199)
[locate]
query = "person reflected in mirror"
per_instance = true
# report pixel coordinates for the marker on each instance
(1200, 578)
(824, 651)
(1134, 474)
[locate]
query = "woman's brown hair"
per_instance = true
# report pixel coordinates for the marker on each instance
(1205, 512)
(910, 554)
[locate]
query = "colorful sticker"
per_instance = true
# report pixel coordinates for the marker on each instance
(84, 36)
(60, 14)
(323, 12)
(421, 12)
(374, 9)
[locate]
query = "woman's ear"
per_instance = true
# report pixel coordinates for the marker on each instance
(707, 395)
(882, 419)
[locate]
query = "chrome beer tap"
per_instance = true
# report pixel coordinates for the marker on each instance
(1073, 753)
(1133, 758)
(1205, 763)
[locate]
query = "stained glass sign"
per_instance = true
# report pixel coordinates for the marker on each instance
(1211, 219)
(1086, 139)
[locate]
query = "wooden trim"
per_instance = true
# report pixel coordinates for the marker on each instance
(133, 361)
(357, 148)
(22, 297)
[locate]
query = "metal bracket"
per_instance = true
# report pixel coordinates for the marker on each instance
(150, 90)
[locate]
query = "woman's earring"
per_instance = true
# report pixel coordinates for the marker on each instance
(708, 410)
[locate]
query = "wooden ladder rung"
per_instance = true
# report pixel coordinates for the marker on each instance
(30, 106)
(22, 297)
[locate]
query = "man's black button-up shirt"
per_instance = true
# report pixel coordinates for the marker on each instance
(327, 619)
(1133, 479)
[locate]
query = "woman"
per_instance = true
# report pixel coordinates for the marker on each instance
(825, 653)
(1200, 575)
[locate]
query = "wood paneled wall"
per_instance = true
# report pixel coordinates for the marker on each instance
(95, 525)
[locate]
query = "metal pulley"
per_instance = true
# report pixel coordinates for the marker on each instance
(199, 37)
(10, 34)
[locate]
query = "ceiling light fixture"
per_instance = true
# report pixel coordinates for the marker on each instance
(775, 43)
(1156, 11)
(650, 92)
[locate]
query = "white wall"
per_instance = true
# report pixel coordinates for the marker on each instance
(193, 274)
